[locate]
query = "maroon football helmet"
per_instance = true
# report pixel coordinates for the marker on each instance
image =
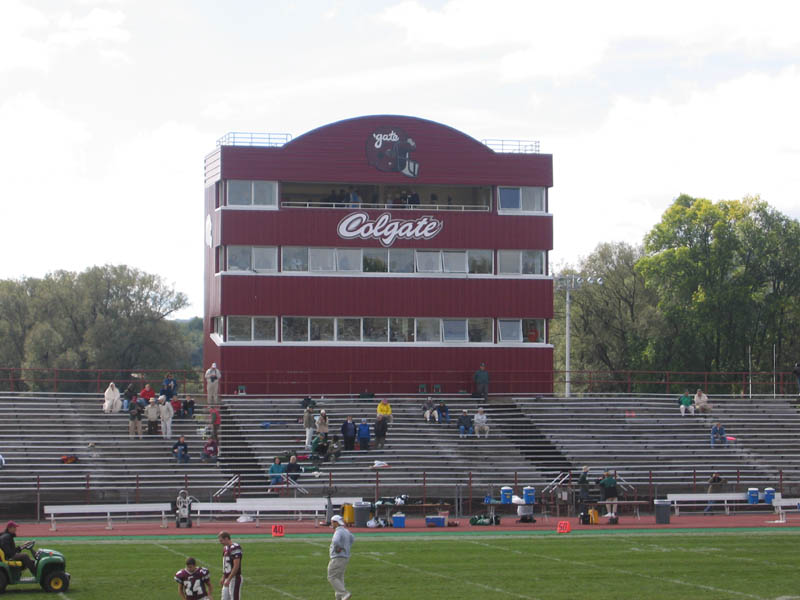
(389, 149)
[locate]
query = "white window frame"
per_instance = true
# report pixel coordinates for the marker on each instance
(308, 329)
(521, 210)
(274, 252)
(419, 252)
(360, 330)
(416, 330)
(283, 259)
(519, 262)
(464, 265)
(413, 260)
(542, 332)
(253, 329)
(228, 328)
(491, 329)
(491, 262)
(464, 339)
(500, 337)
(360, 261)
(252, 205)
(330, 255)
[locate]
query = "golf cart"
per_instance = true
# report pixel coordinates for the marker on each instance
(50, 573)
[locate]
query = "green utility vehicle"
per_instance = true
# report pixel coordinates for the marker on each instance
(50, 570)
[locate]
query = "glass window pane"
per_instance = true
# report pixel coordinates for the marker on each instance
(295, 259)
(239, 193)
(264, 329)
(480, 330)
(375, 260)
(510, 330)
(509, 198)
(265, 193)
(321, 330)
(508, 261)
(348, 330)
(294, 329)
(454, 262)
(239, 329)
(429, 261)
(533, 262)
(428, 330)
(376, 329)
(480, 261)
(533, 331)
(239, 258)
(401, 260)
(265, 258)
(321, 259)
(348, 259)
(533, 199)
(454, 330)
(401, 330)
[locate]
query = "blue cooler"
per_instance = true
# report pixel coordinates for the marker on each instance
(435, 521)
(505, 494)
(752, 495)
(769, 495)
(399, 520)
(529, 494)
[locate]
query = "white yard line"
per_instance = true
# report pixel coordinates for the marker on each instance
(622, 571)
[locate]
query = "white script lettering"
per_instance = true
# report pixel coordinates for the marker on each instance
(385, 137)
(387, 230)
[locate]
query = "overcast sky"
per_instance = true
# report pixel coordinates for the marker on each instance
(107, 108)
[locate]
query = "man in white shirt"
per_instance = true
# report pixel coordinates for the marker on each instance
(340, 555)
(212, 377)
(481, 423)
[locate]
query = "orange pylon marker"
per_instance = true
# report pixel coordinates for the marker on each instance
(564, 527)
(277, 531)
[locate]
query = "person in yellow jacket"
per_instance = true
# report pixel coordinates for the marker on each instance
(385, 410)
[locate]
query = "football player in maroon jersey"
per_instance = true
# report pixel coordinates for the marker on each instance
(193, 581)
(231, 581)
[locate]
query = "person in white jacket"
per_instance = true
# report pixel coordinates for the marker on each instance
(166, 412)
(212, 378)
(112, 403)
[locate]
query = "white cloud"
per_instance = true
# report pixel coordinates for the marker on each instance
(18, 48)
(99, 25)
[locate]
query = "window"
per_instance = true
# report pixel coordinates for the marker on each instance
(510, 330)
(401, 260)
(521, 199)
(295, 259)
(480, 331)
(508, 261)
(294, 329)
(401, 330)
(239, 258)
(321, 259)
(348, 330)
(376, 329)
(239, 329)
(321, 330)
(217, 327)
(527, 262)
(533, 199)
(252, 193)
(265, 259)
(429, 261)
(533, 262)
(533, 331)
(480, 261)
(348, 259)
(454, 261)
(264, 329)
(428, 330)
(509, 198)
(375, 260)
(454, 330)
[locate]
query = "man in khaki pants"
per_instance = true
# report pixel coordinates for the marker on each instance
(340, 556)
(212, 378)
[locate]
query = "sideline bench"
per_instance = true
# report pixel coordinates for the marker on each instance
(784, 505)
(257, 506)
(106, 510)
(634, 503)
(728, 500)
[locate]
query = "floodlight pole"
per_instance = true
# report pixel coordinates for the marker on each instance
(568, 283)
(566, 361)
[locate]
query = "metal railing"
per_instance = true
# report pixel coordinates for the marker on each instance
(388, 206)
(513, 146)
(245, 138)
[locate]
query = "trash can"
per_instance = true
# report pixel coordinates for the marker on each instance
(361, 510)
(347, 513)
(505, 494)
(769, 495)
(662, 511)
(398, 520)
(752, 495)
(529, 494)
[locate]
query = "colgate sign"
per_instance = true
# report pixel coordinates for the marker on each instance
(386, 230)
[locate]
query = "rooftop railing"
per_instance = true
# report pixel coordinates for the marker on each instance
(245, 138)
(513, 146)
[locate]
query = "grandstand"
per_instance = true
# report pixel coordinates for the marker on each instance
(532, 442)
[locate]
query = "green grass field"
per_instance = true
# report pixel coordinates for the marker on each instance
(759, 564)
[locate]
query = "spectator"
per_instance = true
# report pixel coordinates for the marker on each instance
(381, 428)
(715, 483)
(718, 435)
(215, 419)
(609, 486)
(12, 551)
(796, 373)
(465, 427)
(349, 433)
(181, 450)
(293, 469)
(212, 377)
(701, 402)
(481, 379)
(334, 449)
(276, 471)
(128, 396)
(319, 447)
(685, 402)
(2, 461)
(146, 395)
(481, 423)
(443, 412)
(308, 424)
(322, 422)
(188, 407)
(169, 387)
(385, 410)
(134, 420)
(355, 199)
(363, 435)
(429, 412)
(153, 415)
(177, 406)
(210, 449)
(112, 402)
(165, 412)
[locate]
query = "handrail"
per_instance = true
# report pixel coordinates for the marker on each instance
(513, 146)
(559, 479)
(245, 138)
(386, 206)
(233, 481)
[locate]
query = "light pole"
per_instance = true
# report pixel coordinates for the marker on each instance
(569, 283)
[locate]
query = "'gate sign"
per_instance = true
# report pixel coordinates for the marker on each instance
(387, 230)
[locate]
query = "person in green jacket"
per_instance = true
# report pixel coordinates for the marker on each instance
(686, 401)
(608, 484)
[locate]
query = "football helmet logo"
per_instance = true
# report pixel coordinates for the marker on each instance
(389, 150)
